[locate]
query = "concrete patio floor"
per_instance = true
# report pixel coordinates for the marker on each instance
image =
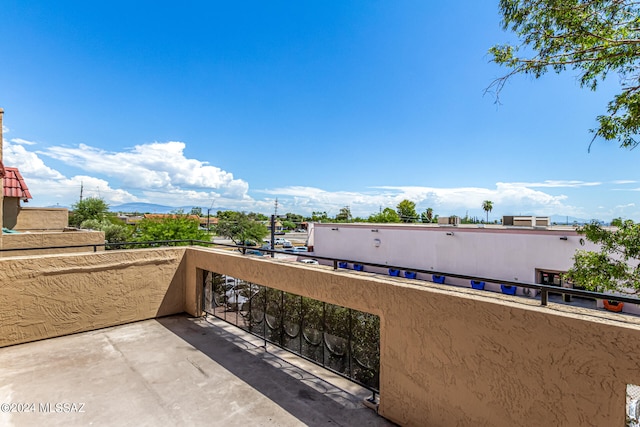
(173, 371)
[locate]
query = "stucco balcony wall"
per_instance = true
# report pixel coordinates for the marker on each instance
(53, 295)
(456, 357)
(47, 240)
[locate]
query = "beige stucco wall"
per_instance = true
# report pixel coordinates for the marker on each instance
(10, 209)
(53, 295)
(51, 239)
(38, 219)
(456, 357)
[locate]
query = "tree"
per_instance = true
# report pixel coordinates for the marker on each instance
(617, 222)
(487, 206)
(113, 233)
(616, 267)
(176, 226)
(319, 217)
(238, 227)
(89, 208)
(288, 225)
(591, 37)
(344, 215)
(407, 211)
(387, 215)
(427, 215)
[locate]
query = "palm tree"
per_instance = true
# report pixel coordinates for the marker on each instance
(487, 206)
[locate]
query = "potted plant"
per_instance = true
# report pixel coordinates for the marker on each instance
(437, 279)
(509, 290)
(477, 285)
(613, 305)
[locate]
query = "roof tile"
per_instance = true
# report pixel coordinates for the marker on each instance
(14, 185)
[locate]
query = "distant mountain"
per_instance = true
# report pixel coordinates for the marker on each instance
(157, 209)
(570, 220)
(145, 208)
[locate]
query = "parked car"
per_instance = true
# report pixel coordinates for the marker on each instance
(280, 241)
(300, 249)
(254, 252)
(279, 233)
(287, 245)
(309, 261)
(239, 295)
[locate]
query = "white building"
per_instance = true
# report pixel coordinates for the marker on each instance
(528, 254)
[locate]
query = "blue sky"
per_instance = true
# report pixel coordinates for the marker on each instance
(320, 104)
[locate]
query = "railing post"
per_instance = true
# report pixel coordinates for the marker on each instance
(544, 297)
(335, 264)
(95, 248)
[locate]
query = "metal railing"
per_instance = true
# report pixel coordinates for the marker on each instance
(343, 340)
(543, 290)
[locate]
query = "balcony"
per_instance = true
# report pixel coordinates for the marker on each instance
(174, 370)
(448, 356)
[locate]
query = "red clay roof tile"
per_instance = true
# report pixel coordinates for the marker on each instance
(14, 185)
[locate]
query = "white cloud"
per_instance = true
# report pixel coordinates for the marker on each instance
(160, 166)
(29, 163)
(557, 184)
(21, 141)
(160, 173)
(508, 198)
(48, 186)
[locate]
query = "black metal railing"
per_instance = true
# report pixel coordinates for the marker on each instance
(344, 340)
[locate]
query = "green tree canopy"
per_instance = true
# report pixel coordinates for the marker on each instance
(344, 215)
(319, 217)
(238, 227)
(387, 215)
(427, 215)
(407, 211)
(113, 233)
(616, 267)
(177, 226)
(288, 225)
(89, 208)
(591, 37)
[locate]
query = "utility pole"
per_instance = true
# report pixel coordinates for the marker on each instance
(275, 211)
(273, 232)
(208, 215)
(81, 188)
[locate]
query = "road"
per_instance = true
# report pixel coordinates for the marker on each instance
(297, 239)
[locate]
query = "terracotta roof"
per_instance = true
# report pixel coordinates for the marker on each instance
(14, 185)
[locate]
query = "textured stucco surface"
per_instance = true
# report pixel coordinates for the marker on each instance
(51, 239)
(449, 356)
(52, 295)
(458, 357)
(42, 219)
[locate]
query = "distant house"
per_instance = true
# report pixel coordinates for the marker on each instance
(163, 216)
(15, 190)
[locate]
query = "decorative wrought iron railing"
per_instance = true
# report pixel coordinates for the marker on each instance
(343, 340)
